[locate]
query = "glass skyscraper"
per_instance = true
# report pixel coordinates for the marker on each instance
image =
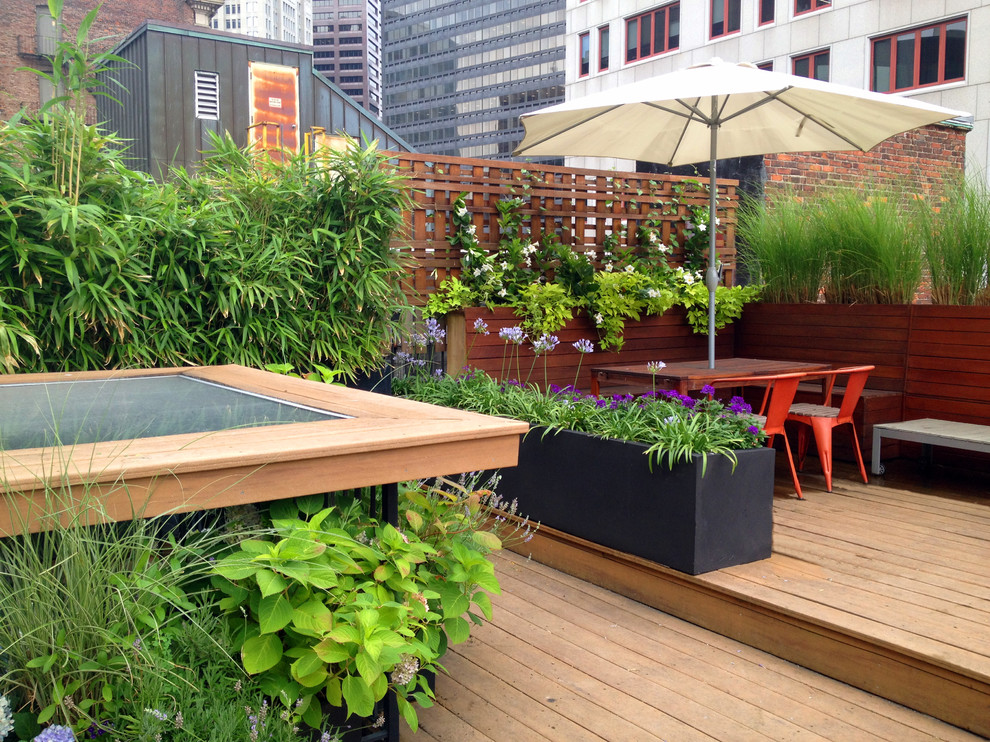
(458, 73)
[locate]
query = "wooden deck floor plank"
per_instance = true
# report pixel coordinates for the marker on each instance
(469, 688)
(658, 684)
(919, 544)
(580, 696)
(859, 613)
(854, 564)
(743, 683)
(794, 692)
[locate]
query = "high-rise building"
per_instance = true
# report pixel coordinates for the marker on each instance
(925, 49)
(458, 73)
(348, 42)
(282, 20)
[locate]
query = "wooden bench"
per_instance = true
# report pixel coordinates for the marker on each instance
(929, 432)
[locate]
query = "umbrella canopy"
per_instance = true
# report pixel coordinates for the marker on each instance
(719, 110)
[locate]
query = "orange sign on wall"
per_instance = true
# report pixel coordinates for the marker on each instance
(274, 107)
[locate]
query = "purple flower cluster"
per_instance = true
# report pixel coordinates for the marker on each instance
(545, 344)
(513, 335)
(584, 346)
(56, 733)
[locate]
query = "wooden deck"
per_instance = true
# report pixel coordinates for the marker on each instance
(884, 587)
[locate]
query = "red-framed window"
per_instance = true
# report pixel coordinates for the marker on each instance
(806, 6)
(652, 33)
(603, 48)
(767, 8)
(725, 18)
(584, 47)
(767, 66)
(814, 65)
(919, 57)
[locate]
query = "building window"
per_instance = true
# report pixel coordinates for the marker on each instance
(920, 57)
(806, 6)
(584, 45)
(814, 65)
(765, 66)
(656, 32)
(725, 17)
(767, 11)
(207, 91)
(603, 48)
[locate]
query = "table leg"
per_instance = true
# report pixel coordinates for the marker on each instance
(595, 389)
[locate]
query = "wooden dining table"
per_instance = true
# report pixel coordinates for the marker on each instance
(688, 376)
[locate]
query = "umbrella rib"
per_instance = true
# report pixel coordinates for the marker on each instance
(770, 98)
(693, 113)
(827, 127)
(548, 137)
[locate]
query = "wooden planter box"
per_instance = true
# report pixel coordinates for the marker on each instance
(666, 338)
(604, 491)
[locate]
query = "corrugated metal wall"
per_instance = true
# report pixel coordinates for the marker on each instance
(158, 112)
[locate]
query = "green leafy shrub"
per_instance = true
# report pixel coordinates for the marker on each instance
(336, 608)
(674, 427)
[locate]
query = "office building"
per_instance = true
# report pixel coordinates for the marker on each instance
(458, 73)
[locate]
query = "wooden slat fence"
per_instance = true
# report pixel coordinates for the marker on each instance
(579, 206)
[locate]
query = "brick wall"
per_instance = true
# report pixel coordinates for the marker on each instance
(117, 18)
(919, 160)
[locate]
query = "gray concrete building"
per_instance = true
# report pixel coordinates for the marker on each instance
(458, 73)
(928, 49)
(280, 20)
(348, 48)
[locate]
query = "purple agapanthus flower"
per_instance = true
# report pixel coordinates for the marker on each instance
(584, 346)
(480, 326)
(434, 332)
(513, 334)
(545, 344)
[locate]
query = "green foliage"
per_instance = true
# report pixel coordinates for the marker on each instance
(777, 248)
(838, 244)
(545, 307)
(338, 608)
(956, 242)
(451, 296)
(545, 281)
(874, 252)
(674, 428)
(729, 303)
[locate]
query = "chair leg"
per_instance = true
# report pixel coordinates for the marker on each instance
(859, 454)
(794, 474)
(823, 439)
(802, 444)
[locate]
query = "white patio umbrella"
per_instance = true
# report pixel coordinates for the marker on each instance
(719, 110)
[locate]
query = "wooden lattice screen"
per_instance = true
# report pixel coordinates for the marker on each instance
(580, 206)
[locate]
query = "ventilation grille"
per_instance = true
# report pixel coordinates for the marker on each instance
(207, 95)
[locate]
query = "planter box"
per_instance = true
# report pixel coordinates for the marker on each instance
(603, 491)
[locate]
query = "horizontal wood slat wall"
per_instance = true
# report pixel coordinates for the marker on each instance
(937, 356)
(580, 206)
(666, 338)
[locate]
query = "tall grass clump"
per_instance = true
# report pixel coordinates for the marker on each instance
(874, 250)
(956, 238)
(778, 248)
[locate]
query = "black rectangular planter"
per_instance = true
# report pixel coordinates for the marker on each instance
(603, 491)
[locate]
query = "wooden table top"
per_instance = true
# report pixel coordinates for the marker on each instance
(685, 376)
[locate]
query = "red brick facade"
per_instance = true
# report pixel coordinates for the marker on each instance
(919, 160)
(18, 46)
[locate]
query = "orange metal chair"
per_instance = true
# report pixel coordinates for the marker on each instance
(777, 400)
(824, 418)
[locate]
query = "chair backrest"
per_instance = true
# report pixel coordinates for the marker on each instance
(777, 400)
(855, 382)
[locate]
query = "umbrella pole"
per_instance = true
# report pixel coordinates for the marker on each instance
(711, 276)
